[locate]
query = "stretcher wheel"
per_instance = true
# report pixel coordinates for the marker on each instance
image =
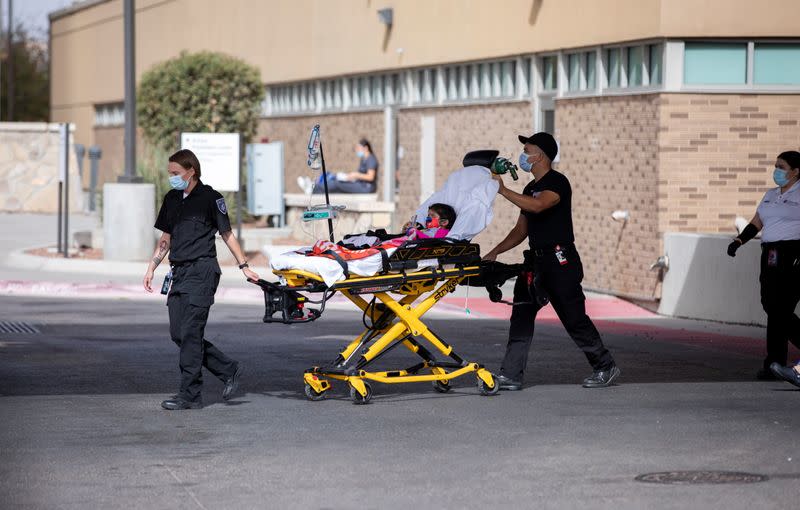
(485, 390)
(311, 393)
(441, 386)
(356, 396)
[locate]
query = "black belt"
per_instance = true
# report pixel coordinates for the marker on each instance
(541, 251)
(187, 262)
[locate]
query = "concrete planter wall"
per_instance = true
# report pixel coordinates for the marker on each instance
(703, 282)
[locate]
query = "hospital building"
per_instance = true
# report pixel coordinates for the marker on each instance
(670, 110)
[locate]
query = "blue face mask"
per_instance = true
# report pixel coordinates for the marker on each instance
(780, 176)
(177, 182)
(360, 154)
(523, 162)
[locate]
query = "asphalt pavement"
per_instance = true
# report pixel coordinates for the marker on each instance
(85, 360)
(82, 426)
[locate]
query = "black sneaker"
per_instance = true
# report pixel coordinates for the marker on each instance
(180, 404)
(602, 378)
(508, 384)
(232, 384)
(788, 374)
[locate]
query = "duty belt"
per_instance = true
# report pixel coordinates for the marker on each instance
(187, 262)
(548, 250)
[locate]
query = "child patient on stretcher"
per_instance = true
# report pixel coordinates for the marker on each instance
(437, 225)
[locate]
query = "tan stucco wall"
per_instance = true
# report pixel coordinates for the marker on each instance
(305, 39)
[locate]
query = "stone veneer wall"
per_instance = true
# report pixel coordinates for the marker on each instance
(29, 166)
(717, 153)
(609, 149)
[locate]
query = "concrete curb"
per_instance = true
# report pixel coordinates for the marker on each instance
(20, 260)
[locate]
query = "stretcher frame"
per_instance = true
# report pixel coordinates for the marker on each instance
(395, 321)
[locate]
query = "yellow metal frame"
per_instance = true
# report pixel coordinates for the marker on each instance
(405, 325)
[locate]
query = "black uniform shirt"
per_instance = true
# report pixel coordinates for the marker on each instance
(193, 222)
(554, 225)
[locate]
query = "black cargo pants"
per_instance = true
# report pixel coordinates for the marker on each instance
(780, 293)
(562, 285)
(192, 294)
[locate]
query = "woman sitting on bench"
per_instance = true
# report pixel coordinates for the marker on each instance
(360, 181)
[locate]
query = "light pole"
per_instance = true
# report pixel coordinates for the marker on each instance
(129, 15)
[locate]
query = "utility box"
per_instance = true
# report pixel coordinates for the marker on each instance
(265, 184)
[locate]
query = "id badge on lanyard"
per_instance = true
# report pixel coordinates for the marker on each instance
(560, 256)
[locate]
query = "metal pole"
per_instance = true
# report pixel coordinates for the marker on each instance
(10, 60)
(66, 192)
(239, 195)
(325, 184)
(130, 93)
(94, 161)
(59, 218)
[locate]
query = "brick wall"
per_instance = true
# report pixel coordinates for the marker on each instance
(340, 133)
(460, 129)
(717, 156)
(609, 152)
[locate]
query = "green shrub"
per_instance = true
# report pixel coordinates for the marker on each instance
(202, 92)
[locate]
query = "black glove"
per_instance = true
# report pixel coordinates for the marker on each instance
(733, 247)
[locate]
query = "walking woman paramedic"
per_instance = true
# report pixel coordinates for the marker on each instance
(778, 219)
(190, 217)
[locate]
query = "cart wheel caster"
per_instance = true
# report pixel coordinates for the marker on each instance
(311, 394)
(357, 398)
(441, 386)
(485, 390)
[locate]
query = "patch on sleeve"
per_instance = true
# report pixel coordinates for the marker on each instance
(221, 206)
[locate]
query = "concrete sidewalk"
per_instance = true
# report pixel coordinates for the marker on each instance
(23, 274)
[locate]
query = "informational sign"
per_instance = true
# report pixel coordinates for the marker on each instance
(218, 154)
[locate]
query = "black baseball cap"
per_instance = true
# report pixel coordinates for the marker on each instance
(544, 141)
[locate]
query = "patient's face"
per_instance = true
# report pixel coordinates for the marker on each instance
(435, 220)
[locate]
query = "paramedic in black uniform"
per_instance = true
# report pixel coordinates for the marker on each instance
(191, 215)
(778, 219)
(546, 221)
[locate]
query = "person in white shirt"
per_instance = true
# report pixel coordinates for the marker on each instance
(778, 219)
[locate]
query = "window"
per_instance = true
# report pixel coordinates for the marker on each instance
(549, 74)
(776, 64)
(614, 68)
(574, 71)
(635, 62)
(715, 63)
(591, 70)
(654, 63)
(109, 115)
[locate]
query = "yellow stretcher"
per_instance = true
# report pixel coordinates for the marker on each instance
(393, 317)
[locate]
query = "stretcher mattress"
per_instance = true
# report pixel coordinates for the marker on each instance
(330, 270)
